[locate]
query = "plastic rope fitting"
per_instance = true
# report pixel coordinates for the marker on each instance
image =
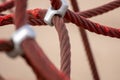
(51, 12)
(21, 34)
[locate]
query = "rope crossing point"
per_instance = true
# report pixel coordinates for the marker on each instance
(41, 65)
(65, 53)
(76, 19)
(87, 47)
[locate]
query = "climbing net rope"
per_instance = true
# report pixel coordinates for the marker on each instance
(35, 56)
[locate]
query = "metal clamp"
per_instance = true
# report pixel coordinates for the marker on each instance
(17, 38)
(51, 12)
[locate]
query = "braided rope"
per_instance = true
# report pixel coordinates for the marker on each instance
(39, 77)
(6, 5)
(5, 45)
(80, 21)
(47, 70)
(35, 18)
(87, 14)
(40, 62)
(101, 9)
(74, 18)
(91, 26)
(64, 45)
(86, 43)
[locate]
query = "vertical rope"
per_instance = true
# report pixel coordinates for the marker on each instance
(10, 10)
(33, 53)
(39, 77)
(87, 45)
(40, 62)
(20, 13)
(64, 40)
(65, 52)
(20, 20)
(6, 5)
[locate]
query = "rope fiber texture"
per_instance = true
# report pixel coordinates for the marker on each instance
(34, 55)
(64, 45)
(86, 43)
(40, 63)
(76, 19)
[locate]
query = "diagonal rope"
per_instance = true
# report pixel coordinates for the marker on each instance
(87, 47)
(39, 61)
(65, 52)
(39, 77)
(76, 18)
(101, 9)
(6, 5)
(6, 45)
(87, 14)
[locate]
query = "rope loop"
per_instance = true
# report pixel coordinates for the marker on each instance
(17, 38)
(51, 12)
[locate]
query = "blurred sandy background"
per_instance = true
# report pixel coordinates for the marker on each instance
(106, 50)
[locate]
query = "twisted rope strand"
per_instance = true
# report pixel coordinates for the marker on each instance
(6, 5)
(74, 18)
(20, 13)
(41, 64)
(20, 20)
(38, 60)
(101, 9)
(39, 77)
(4, 20)
(87, 47)
(94, 27)
(91, 26)
(65, 52)
(6, 45)
(10, 10)
(87, 14)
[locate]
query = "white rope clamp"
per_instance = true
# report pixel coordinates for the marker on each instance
(21, 34)
(51, 12)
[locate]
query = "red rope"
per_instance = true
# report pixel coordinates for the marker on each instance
(20, 13)
(6, 5)
(39, 77)
(101, 9)
(88, 13)
(45, 69)
(6, 45)
(40, 64)
(78, 20)
(38, 60)
(37, 19)
(86, 43)
(64, 45)
(91, 26)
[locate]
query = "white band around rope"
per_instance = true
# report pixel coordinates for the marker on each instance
(51, 12)
(21, 34)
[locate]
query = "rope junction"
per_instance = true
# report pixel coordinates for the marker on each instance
(35, 56)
